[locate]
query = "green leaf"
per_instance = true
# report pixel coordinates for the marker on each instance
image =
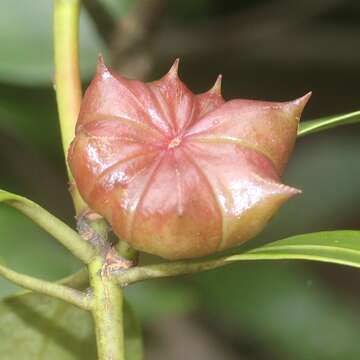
(339, 247)
(312, 126)
(26, 33)
(36, 327)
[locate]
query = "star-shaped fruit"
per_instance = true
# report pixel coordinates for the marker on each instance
(177, 174)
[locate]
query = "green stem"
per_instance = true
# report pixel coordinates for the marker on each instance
(108, 313)
(62, 292)
(77, 281)
(108, 302)
(127, 252)
(67, 78)
(141, 273)
(50, 223)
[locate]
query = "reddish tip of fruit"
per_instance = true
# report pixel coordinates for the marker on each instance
(216, 89)
(101, 68)
(173, 72)
(298, 104)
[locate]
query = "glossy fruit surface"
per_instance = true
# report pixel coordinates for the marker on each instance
(176, 174)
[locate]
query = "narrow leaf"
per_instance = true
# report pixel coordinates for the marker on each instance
(339, 247)
(312, 126)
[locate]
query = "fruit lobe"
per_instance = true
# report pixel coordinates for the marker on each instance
(176, 174)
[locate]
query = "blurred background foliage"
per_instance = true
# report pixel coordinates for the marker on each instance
(274, 50)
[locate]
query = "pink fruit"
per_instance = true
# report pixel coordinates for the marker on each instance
(176, 174)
